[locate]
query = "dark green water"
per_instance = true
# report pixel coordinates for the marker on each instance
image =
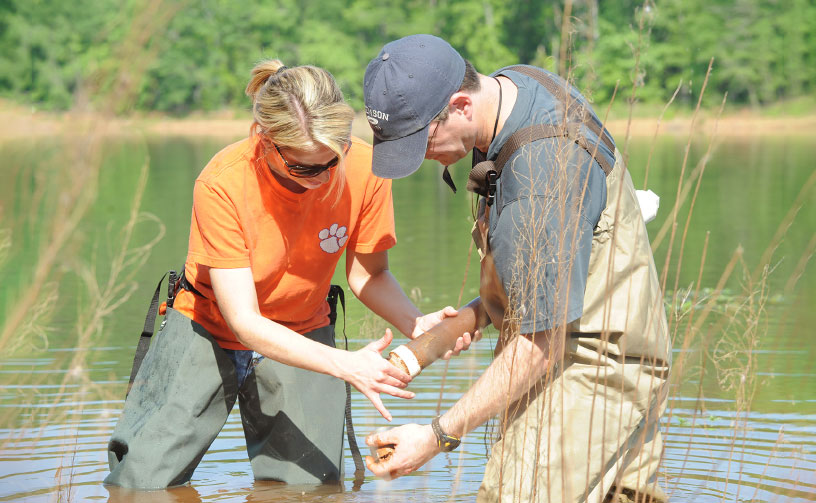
(741, 423)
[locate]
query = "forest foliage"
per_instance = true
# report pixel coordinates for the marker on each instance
(764, 50)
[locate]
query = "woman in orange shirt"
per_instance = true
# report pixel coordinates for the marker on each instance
(272, 214)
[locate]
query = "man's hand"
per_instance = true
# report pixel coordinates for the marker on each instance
(414, 445)
(463, 344)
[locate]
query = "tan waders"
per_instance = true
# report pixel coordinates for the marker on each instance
(183, 393)
(591, 426)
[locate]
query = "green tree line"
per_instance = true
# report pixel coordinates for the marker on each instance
(764, 50)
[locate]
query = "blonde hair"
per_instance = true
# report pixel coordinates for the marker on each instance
(300, 108)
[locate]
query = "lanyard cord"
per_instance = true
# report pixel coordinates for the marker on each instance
(498, 112)
(336, 293)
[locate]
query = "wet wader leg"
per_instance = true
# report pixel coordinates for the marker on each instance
(179, 402)
(293, 421)
(593, 423)
(638, 479)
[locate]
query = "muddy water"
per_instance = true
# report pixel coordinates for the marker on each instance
(741, 423)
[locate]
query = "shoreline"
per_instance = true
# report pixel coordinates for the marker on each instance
(17, 123)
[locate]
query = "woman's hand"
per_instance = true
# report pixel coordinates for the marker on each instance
(371, 374)
(426, 322)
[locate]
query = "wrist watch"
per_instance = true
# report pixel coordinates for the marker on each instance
(445, 442)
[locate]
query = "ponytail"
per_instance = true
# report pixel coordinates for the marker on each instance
(300, 108)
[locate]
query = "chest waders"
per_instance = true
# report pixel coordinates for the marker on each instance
(176, 282)
(592, 425)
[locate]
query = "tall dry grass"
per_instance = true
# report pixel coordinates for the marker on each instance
(61, 259)
(739, 321)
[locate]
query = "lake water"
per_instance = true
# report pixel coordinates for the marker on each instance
(741, 423)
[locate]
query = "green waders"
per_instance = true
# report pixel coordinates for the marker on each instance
(183, 394)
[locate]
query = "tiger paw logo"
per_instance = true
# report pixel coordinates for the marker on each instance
(333, 238)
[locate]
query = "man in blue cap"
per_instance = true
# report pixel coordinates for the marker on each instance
(567, 277)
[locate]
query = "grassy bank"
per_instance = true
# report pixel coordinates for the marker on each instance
(17, 122)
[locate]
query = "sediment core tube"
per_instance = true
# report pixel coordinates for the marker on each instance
(430, 346)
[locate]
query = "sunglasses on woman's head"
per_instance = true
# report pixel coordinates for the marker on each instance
(299, 171)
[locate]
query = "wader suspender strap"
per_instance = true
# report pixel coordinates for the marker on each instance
(483, 176)
(147, 331)
(335, 293)
(560, 94)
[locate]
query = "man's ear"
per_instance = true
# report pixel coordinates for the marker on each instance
(461, 103)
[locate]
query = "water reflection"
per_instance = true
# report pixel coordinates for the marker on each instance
(713, 452)
(184, 494)
(59, 404)
(258, 491)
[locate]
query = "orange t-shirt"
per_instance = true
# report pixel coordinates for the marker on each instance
(243, 217)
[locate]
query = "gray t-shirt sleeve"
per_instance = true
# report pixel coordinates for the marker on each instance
(548, 201)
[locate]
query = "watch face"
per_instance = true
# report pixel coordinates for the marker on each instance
(448, 443)
(445, 442)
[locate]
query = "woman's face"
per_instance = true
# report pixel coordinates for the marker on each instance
(308, 158)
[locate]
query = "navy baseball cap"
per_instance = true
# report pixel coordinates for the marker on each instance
(405, 87)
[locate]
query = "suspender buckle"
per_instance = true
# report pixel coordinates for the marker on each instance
(490, 181)
(172, 284)
(335, 293)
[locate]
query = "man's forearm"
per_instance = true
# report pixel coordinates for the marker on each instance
(522, 362)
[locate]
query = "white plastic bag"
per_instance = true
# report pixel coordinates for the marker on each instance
(649, 203)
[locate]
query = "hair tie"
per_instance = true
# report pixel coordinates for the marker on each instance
(275, 75)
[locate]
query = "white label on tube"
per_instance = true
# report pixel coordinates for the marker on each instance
(409, 359)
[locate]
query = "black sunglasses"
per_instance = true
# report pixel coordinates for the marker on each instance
(299, 171)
